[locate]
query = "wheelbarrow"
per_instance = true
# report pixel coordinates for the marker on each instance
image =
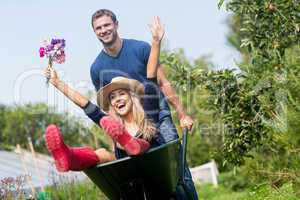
(152, 176)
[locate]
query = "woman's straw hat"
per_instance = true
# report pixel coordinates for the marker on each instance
(118, 82)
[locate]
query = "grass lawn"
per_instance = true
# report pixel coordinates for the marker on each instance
(210, 192)
(263, 192)
(87, 190)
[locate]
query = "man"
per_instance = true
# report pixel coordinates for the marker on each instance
(105, 26)
(127, 57)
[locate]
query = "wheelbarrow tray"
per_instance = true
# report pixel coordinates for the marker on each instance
(155, 173)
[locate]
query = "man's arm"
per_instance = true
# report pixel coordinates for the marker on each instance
(95, 78)
(157, 31)
(173, 99)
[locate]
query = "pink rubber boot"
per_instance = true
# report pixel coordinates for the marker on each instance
(132, 145)
(66, 158)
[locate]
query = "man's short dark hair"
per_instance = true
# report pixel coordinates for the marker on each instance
(102, 12)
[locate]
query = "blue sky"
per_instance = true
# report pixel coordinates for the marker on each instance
(196, 26)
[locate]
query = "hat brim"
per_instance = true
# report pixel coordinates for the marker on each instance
(127, 84)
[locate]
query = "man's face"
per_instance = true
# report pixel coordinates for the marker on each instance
(106, 30)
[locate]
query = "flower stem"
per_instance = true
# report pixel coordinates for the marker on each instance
(50, 63)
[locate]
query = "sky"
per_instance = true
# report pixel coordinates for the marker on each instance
(198, 27)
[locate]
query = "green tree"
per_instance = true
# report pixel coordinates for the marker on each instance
(250, 103)
(266, 33)
(30, 121)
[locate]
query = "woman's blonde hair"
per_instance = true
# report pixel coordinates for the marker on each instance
(147, 128)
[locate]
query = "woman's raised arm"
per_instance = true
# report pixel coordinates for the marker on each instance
(72, 94)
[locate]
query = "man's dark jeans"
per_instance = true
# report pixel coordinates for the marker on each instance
(169, 133)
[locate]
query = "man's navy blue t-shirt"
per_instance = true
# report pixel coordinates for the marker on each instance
(131, 62)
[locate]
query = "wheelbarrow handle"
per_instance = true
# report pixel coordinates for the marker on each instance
(183, 152)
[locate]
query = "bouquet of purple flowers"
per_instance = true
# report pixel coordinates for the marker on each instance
(54, 50)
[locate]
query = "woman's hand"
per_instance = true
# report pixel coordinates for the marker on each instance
(51, 74)
(157, 29)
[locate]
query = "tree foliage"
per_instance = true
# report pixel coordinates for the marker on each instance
(20, 123)
(252, 103)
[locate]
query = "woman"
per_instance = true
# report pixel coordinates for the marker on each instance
(124, 118)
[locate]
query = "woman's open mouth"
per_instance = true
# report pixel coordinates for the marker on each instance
(121, 106)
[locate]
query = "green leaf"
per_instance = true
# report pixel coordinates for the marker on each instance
(220, 3)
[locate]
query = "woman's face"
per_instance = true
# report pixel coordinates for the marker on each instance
(120, 101)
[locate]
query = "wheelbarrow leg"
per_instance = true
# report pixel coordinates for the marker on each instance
(183, 185)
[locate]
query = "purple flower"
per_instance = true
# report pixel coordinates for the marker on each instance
(54, 41)
(50, 47)
(63, 43)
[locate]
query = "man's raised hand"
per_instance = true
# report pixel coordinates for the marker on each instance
(157, 29)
